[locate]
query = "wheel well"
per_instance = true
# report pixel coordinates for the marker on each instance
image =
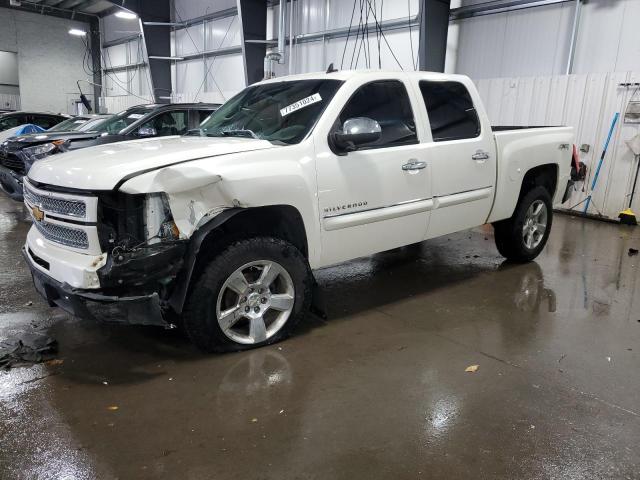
(279, 221)
(544, 175)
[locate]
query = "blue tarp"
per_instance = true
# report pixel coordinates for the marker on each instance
(29, 128)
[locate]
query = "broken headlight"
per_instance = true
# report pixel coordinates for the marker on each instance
(40, 151)
(159, 224)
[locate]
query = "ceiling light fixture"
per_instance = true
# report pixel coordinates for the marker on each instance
(126, 15)
(77, 32)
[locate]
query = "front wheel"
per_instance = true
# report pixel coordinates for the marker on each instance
(522, 237)
(251, 294)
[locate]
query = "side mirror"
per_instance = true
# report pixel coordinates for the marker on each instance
(355, 132)
(147, 132)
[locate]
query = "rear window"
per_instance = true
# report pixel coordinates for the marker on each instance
(451, 112)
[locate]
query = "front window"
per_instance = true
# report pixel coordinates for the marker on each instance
(282, 112)
(122, 120)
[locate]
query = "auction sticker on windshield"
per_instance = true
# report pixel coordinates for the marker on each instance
(305, 102)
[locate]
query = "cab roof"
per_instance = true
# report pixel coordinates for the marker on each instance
(372, 74)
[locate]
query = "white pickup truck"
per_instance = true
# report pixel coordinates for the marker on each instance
(222, 230)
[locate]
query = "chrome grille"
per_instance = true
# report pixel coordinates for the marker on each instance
(71, 237)
(72, 208)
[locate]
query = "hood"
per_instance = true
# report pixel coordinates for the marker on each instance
(103, 167)
(22, 141)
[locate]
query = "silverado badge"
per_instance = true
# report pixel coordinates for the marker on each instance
(37, 214)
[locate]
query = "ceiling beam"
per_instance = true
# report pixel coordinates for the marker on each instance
(498, 6)
(50, 10)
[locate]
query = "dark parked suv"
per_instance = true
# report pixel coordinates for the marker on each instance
(44, 120)
(18, 153)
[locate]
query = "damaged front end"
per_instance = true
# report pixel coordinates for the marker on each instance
(138, 249)
(144, 252)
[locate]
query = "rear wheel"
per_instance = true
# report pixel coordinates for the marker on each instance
(251, 294)
(522, 237)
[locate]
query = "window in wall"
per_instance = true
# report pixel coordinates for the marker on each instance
(388, 103)
(451, 112)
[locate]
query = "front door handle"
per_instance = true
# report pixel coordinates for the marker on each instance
(414, 165)
(480, 156)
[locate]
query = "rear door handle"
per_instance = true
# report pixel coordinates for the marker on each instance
(480, 155)
(414, 165)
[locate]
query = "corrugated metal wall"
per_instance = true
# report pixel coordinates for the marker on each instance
(587, 102)
(115, 104)
(312, 16)
(535, 41)
(9, 102)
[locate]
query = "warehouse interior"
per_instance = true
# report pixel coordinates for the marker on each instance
(436, 359)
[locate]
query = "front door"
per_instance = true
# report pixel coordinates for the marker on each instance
(378, 197)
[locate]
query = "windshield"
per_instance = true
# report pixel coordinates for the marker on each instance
(69, 125)
(92, 125)
(7, 122)
(122, 120)
(283, 112)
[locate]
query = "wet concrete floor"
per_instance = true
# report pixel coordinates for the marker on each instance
(379, 390)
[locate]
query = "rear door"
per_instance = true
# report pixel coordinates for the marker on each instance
(462, 155)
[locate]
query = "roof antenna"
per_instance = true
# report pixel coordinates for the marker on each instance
(331, 69)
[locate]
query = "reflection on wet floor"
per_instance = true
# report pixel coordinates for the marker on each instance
(378, 390)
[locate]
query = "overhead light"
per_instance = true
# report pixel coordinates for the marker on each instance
(126, 15)
(77, 32)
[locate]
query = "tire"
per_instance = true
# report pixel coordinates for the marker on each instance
(511, 239)
(223, 311)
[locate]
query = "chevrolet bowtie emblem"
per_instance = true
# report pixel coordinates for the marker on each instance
(37, 214)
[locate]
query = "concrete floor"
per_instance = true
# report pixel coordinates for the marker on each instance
(379, 390)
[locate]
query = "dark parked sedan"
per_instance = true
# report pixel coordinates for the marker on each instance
(18, 153)
(42, 119)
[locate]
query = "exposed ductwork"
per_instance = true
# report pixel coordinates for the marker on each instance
(278, 55)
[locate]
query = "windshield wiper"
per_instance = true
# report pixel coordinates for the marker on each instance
(246, 133)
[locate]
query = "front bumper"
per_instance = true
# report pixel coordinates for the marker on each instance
(11, 183)
(138, 310)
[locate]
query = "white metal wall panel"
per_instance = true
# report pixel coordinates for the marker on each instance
(189, 40)
(628, 54)
(117, 83)
(116, 56)
(189, 9)
(189, 75)
(540, 101)
(117, 104)
(480, 46)
(599, 36)
(223, 78)
(535, 41)
(223, 32)
(557, 100)
(10, 101)
(586, 102)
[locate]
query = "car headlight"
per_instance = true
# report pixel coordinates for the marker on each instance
(159, 224)
(39, 151)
